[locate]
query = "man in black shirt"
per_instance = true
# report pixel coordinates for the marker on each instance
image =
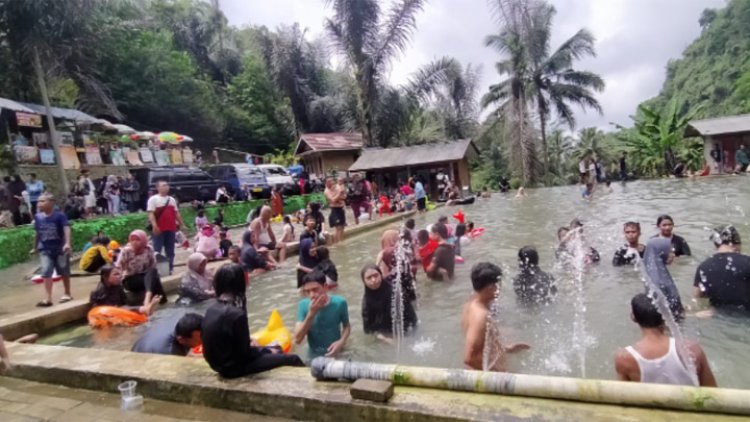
(626, 254)
(725, 277)
(444, 258)
(166, 338)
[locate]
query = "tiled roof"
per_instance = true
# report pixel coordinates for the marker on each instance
(328, 141)
(376, 158)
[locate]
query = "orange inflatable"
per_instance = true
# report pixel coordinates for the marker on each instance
(108, 316)
(459, 216)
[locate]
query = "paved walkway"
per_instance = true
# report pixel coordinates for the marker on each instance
(18, 295)
(26, 401)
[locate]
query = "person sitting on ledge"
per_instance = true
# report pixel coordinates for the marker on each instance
(96, 256)
(655, 357)
(167, 338)
(137, 262)
(109, 292)
(225, 332)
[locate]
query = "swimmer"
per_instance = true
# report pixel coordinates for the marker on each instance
(532, 285)
(234, 254)
(521, 193)
(654, 357)
(443, 261)
(627, 254)
(666, 228)
(724, 278)
(588, 191)
(566, 236)
(485, 279)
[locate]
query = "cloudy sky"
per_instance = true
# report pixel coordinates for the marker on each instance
(635, 39)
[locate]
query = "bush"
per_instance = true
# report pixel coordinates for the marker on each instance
(118, 228)
(515, 183)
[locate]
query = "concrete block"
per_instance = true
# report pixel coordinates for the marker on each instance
(372, 390)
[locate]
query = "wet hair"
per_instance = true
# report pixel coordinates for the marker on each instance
(632, 224)
(410, 224)
(644, 312)
(314, 206)
(188, 324)
(230, 279)
(316, 276)
(726, 235)
(440, 229)
(484, 274)
(662, 218)
(369, 267)
(528, 257)
(322, 253)
(104, 273)
(460, 230)
(470, 226)
(561, 231)
(443, 219)
(576, 223)
(102, 240)
(423, 237)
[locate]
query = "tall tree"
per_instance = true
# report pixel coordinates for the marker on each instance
(370, 39)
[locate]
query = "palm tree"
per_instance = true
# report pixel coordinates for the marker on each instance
(54, 35)
(560, 150)
(369, 41)
(533, 75)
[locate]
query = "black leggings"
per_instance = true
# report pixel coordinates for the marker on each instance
(141, 283)
(264, 361)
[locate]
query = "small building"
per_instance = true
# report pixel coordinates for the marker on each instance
(325, 153)
(724, 134)
(388, 166)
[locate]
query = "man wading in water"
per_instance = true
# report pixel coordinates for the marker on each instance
(485, 278)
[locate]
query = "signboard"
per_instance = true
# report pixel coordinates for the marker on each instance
(117, 157)
(187, 156)
(132, 156)
(93, 157)
(162, 158)
(24, 154)
(176, 156)
(47, 156)
(69, 158)
(146, 155)
(28, 119)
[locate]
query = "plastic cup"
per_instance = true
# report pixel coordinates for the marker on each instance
(127, 388)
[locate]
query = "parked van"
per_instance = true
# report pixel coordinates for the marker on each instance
(238, 174)
(278, 177)
(186, 184)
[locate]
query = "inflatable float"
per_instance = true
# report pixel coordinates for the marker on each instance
(109, 316)
(275, 332)
(459, 215)
(475, 233)
(464, 201)
(38, 279)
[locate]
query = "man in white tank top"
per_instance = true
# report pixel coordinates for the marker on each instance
(654, 358)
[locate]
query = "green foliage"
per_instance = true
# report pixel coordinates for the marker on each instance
(713, 75)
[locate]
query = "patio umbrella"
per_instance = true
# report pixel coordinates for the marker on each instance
(169, 137)
(124, 129)
(147, 135)
(186, 138)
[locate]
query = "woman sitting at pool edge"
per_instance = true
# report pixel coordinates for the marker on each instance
(109, 292)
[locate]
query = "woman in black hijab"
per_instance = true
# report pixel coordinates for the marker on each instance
(377, 305)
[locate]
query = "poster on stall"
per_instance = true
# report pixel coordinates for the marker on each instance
(26, 155)
(66, 138)
(40, 138)
(68, 157)
(116, 157)
(162, 158)
(176, 155)
(133, 159)
(47, 156)
(187, 156)
(146, 155)
(93, 157)
(28, 119)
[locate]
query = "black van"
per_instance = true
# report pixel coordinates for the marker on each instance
(186, 184)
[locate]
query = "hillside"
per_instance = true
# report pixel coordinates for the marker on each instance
(714, 71)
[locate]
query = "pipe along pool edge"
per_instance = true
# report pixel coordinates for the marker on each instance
(695, 399)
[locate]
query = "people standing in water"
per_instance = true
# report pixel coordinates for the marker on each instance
(169, 338)
(336, 196)
(225, 332)
(532, 285)
(629, 253)
(420, 195)
(308, 260)
(655, 358)
(327, 267)
(569, 238)
(666, 228)
(322, 318)
(377, 305)
(657, 256)
(741, 159)
(724, 278)
(476, 320)
(444, 257)
(624, 166)
(504, 185)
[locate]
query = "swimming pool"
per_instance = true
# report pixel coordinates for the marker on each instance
(511, 224)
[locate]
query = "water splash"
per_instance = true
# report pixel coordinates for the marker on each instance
(398, 297)
(493, 352)
(579, 259)
(423, 346)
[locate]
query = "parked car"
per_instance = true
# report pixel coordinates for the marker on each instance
(278, 177)
(186, 184)
(236, 175)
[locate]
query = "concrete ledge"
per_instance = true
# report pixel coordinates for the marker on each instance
(293, 393)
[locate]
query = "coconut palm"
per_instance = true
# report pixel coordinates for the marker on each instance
(369, 38)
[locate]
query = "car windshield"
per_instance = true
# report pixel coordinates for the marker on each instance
(249, 171)
(275, 171)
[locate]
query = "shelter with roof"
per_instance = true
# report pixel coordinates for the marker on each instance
(388, 166)
(325, 153)
(722, 137)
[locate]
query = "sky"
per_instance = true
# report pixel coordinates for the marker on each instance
(634, 40)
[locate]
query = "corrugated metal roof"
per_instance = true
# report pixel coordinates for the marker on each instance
(372, 159)
(329, 141)
(719, 126)
(14, 105)
(63, 113)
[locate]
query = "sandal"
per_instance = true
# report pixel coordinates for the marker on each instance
(44, 304)
(65, 298)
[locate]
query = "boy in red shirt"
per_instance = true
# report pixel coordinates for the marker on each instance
(427, 247)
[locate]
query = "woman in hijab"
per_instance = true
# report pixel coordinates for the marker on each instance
(251, 260)
(656, 258)
(377, 304)
(308, 260)
(387, 257)
(389, 261)
(137, 261)
(196, 284)
(226, 335)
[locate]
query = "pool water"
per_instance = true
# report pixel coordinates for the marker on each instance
(511, 224)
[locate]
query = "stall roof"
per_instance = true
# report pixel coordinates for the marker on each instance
(719, 126)
(14, 106)
(339, 141)
(373, 159)
(63, 113)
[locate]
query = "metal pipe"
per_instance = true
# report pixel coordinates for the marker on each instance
(694, 399)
